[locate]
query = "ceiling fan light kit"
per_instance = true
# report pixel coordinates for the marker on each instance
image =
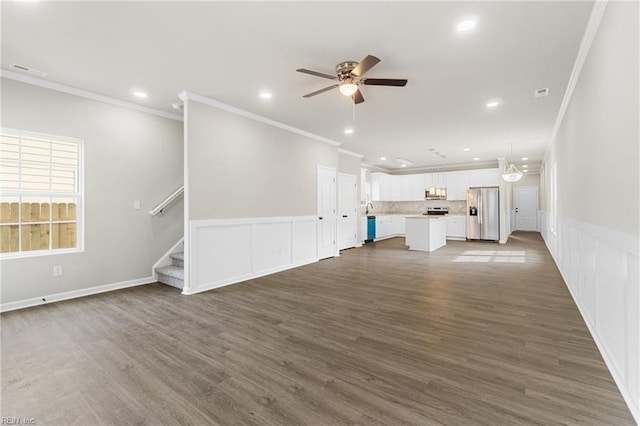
(348, 88)
(349, 75)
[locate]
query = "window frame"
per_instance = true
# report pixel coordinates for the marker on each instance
(78, 195)
(553, 225)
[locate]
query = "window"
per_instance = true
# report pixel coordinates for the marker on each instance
(40, 194)
(553, 225)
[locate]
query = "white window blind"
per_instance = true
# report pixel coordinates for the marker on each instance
(40, 193)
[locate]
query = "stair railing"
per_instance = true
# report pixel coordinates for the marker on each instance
(167, 202)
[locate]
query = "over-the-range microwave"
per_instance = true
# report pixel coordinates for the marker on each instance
(435, 194)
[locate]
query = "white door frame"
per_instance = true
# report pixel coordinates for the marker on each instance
(516, 189)
(353, 210)
(331, 217)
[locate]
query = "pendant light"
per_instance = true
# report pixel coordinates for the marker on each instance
(512, 174)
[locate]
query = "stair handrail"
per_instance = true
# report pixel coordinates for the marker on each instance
(167, 201)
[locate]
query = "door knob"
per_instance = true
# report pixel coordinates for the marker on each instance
(320, 218)
(344, 215)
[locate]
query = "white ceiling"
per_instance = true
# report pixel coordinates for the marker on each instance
(232, 51)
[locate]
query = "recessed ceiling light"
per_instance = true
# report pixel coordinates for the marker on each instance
(467, 149)
(492, 104)
(476, 158)
(348, 131)
(140, 94)
(266, 95)
(383, 158)
(525, 165)
(403, 165)
(525, 158)
(525, 171)
(466, 25)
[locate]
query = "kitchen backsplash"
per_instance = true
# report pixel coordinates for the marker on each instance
(416, 207)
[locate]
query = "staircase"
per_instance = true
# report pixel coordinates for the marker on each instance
(173, 274)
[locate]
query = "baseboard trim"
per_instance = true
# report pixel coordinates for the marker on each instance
(58, 297)
(634, 408)
(386, 237)
(223, 283)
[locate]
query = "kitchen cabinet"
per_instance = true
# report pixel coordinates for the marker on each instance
(384, 226)
(484, 177)
(425, 233)
(385, 187)
(396, 188)
(363, 228)
(456, 227)
(411, 187)
(457, 185)
(380, 187)
(434, 180)
(398, 224)
(389, 226)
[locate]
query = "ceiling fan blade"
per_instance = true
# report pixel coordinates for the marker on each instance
(384, 82)
(364, 66)
(317, 92)
(357, 97)
(317, 74)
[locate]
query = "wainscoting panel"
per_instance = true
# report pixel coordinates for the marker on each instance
(273, 246)
(602, 270)
(633, 324)
(305, 248)
(227, 251)
(220, 252)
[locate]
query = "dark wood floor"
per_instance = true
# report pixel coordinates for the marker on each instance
(474, 333)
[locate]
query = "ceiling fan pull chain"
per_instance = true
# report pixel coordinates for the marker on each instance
(353, 108)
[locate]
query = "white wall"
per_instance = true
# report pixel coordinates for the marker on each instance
(596, 150)
(128, 155)
(239, 167)
(251, 195)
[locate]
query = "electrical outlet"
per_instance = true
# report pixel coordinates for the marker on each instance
(57, 271)
(136, 205)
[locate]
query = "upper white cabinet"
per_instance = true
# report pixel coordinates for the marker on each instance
(484, 177)
(380, 187)
(411, 187)
(457, 184)
(386, 187)
(396, 188)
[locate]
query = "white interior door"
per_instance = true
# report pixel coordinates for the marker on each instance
(525, 207)
(326, 212)
(347, 211)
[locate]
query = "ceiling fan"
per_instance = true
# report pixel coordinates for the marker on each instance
(349, 76)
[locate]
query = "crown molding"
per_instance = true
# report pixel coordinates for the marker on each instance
(11, 75)
(587, 40)
(186, 95)
(351, 153)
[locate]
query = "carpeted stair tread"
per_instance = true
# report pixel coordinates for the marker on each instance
(172, 271)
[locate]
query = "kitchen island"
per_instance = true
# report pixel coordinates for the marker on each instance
(425, 233)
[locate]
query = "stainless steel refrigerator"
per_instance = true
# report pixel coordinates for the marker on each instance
(483, 213)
